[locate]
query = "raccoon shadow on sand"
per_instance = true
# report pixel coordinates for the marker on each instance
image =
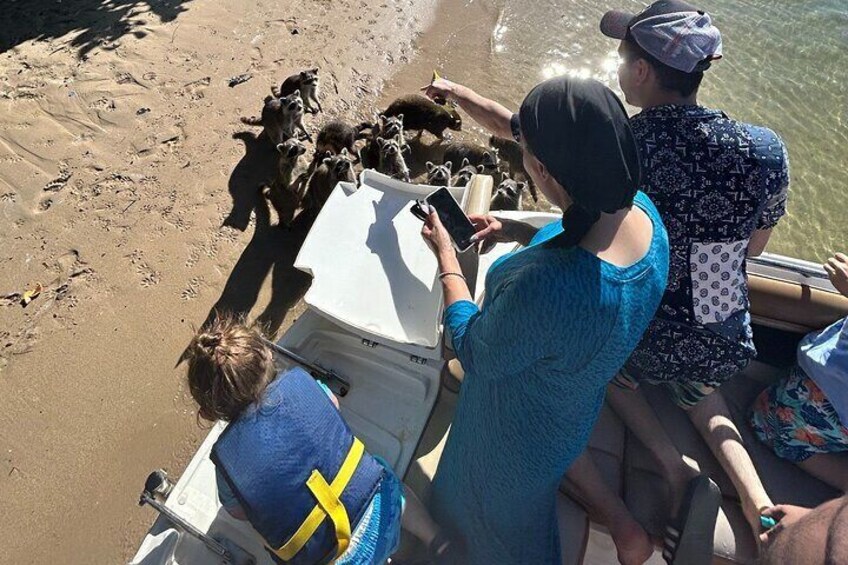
(255, 168)
(270, 251)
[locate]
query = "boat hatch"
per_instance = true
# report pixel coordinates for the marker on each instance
(372, 271)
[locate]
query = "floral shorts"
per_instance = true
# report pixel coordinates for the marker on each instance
(796, 420)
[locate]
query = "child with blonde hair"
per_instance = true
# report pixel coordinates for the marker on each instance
(289, 464)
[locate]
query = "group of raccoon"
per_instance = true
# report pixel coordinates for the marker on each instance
(385, 149)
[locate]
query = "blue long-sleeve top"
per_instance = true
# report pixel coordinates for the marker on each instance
(555, 327)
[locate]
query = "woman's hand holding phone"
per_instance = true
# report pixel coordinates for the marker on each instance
(488, 231)
(436, 235)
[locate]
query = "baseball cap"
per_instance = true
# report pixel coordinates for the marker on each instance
(674, 32)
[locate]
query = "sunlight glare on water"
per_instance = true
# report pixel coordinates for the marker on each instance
(785, 66)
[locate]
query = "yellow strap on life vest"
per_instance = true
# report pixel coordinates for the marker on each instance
(333, 507)
(329, 504)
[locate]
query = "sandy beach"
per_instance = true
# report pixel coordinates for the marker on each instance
(129, 190)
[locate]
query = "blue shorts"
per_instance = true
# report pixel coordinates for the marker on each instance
(377, 535)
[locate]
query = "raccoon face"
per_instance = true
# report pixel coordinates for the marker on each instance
(490, 160)
(511, 189)
(291, 149)
(341, 168)
(391, 127)
(388, 147)
(466, 171)
(309, 77)
(439, 175)
(463, 177)
(293, 103)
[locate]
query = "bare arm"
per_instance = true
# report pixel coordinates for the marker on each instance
(455, 288)
(520, 232)
(758, 242)
(488, 113)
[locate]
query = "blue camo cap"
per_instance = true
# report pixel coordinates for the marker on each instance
(676, 33)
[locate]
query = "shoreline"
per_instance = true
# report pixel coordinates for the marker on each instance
(118, 173)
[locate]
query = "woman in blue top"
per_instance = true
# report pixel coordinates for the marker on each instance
(560, 318)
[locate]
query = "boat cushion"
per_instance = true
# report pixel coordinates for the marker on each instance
(629, 468)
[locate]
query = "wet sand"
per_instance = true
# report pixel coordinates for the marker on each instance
(129, 189)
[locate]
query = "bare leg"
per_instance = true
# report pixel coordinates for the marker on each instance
(416, 519)
(830, 468)
(633, 408)
(632, 543)
(711, 417)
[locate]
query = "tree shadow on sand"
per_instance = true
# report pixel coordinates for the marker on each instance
(97, 23)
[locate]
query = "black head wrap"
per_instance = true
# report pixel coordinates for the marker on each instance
(579, 130)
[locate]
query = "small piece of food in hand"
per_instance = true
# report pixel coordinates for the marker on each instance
(438, 98)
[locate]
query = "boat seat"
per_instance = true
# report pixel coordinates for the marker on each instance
(630, 470)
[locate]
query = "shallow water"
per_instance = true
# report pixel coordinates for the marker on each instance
(785, 66)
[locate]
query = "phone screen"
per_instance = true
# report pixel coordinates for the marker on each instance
(454, 219)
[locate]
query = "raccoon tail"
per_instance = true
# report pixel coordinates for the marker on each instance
(252, 121)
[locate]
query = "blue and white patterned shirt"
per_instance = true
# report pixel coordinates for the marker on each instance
(715, 182)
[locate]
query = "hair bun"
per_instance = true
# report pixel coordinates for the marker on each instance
(208, 341)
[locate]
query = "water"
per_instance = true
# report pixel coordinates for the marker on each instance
(785, 66)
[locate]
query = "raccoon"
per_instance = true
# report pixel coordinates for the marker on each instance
(281, 118)
(283, 194)
(307, 83)
(420, 113)
(439, 175)
(464, 174)
(508, 195)
(335, 136)
(333, 169)
(386, 128)
(458, 151)
(511, 152)
(392, 162)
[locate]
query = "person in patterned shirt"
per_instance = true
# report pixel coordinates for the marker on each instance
(720, 186)
(803, 417)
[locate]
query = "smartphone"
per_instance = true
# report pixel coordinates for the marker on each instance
(454, 219)
(418, 210)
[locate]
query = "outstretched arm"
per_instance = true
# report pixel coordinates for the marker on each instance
(488, 113)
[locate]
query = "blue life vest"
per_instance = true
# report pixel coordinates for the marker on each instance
(302, 478)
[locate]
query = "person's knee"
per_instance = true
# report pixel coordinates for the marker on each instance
(711, 412)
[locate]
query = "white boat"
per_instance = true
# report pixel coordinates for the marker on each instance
(373, 317)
